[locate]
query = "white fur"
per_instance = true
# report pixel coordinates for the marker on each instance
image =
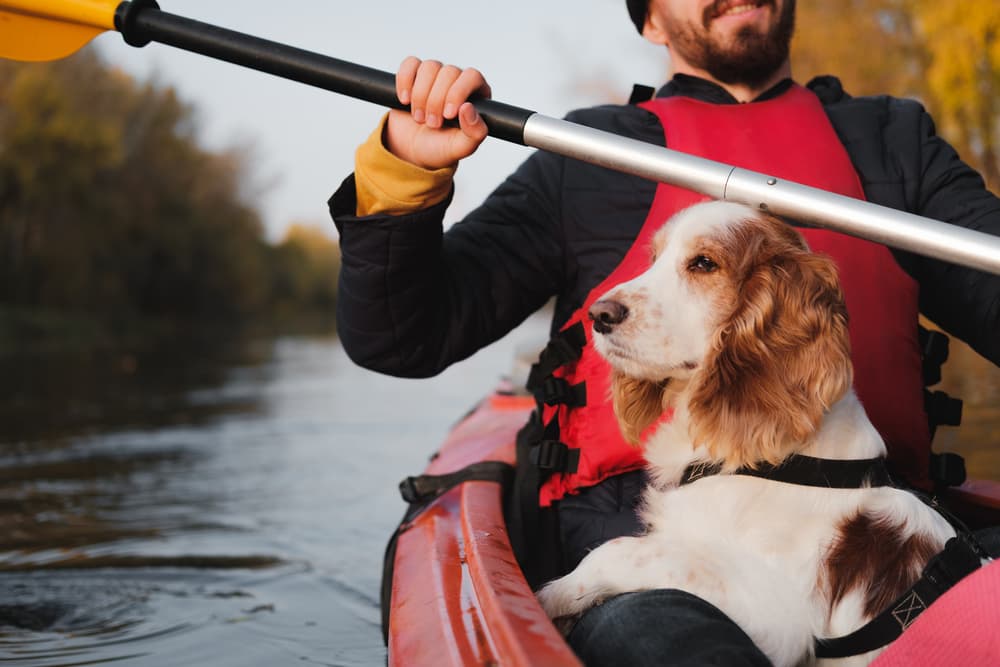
(754, 548)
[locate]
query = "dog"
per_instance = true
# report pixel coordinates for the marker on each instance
(731, 353)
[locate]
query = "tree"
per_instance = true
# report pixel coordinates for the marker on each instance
(109, 205)
(946, 54)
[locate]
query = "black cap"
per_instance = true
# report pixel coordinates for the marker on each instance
(637, 11)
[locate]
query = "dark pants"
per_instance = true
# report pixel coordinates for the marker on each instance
(657, 627)
(661, 627)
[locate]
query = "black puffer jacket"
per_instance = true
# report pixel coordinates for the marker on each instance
(413, 300)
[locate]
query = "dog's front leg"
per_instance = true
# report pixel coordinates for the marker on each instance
(617, 566)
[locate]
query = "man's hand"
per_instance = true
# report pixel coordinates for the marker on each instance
(435, 93)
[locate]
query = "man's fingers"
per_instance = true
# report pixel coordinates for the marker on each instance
(436, 93)
(437, 109)
(471, 123)
(470, 82)
(422, 84)
(405, 75)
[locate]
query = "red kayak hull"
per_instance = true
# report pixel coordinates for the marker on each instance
(459, 597)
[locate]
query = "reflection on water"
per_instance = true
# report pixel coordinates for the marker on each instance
(228, 504)
(222, 504)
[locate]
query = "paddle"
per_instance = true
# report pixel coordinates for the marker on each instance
(52, 29)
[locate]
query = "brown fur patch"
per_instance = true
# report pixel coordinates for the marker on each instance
(871, 554)
(637, 404)
(781, 358)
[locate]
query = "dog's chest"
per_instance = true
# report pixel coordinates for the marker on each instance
(789, 524)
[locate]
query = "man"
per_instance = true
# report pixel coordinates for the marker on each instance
(414, 300)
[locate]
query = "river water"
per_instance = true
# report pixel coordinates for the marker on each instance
(228, 503)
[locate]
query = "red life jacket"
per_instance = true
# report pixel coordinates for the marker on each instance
(791, 138)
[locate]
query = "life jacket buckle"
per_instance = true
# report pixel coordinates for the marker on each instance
(557, 391)
(555, 456)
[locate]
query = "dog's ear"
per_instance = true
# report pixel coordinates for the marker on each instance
(779, 362)
(637, 404)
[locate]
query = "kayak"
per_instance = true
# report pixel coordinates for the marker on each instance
(458, 595)
(459, 598)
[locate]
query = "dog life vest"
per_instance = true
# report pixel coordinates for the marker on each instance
(788, 137)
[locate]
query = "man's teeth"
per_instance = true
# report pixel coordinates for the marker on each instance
(738, 9)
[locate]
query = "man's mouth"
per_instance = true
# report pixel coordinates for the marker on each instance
(721, 8)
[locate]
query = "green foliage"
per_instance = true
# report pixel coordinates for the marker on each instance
(109, 207)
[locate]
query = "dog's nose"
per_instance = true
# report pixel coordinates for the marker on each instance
(605, 314)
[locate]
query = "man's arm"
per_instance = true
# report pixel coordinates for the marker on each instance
(904, 164)
(965, 302)
(413, 300)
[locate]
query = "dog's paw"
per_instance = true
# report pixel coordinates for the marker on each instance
(564, 600)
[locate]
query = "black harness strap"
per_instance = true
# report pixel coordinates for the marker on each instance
(961, 556)
(959, 559)
(806, 471)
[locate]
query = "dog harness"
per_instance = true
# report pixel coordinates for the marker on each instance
(575, 442)
(962, 555)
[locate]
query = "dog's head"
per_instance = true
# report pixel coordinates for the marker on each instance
(736, 315)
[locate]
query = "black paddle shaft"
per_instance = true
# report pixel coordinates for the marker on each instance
(141, 22)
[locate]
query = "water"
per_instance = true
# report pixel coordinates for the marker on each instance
(185, 505)
(228, 504)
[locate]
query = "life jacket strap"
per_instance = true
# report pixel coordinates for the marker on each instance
(641, 93)
(933, 353)
(562, 348)
(557, 391)
(961, 556)
(947, 469)
(554, 456)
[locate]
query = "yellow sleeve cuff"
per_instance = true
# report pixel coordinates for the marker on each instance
(388, 185)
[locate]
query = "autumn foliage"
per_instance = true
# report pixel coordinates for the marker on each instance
(945, 53)
(109, 206)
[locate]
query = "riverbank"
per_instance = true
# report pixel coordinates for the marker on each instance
(44, 330)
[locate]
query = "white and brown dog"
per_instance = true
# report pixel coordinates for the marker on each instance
(741, 332)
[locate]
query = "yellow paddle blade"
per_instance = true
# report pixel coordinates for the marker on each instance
(51, 29)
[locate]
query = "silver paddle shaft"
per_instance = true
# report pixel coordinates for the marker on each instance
(802, 203)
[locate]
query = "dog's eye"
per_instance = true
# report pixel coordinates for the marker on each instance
(703, 264)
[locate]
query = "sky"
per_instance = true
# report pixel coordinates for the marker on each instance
(549, 56)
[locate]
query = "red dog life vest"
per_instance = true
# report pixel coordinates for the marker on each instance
(788, 137)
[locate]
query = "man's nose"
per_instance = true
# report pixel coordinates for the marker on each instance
(607, 313)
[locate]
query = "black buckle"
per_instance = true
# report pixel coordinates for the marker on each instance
(564, 347)
(948, 469)
(557, 391)
(942, 408)
(961, 557)
(641, 93)
(555, 456)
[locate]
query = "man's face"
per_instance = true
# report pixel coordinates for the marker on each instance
(735, 41)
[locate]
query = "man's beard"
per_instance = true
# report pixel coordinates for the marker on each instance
(751, 59)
